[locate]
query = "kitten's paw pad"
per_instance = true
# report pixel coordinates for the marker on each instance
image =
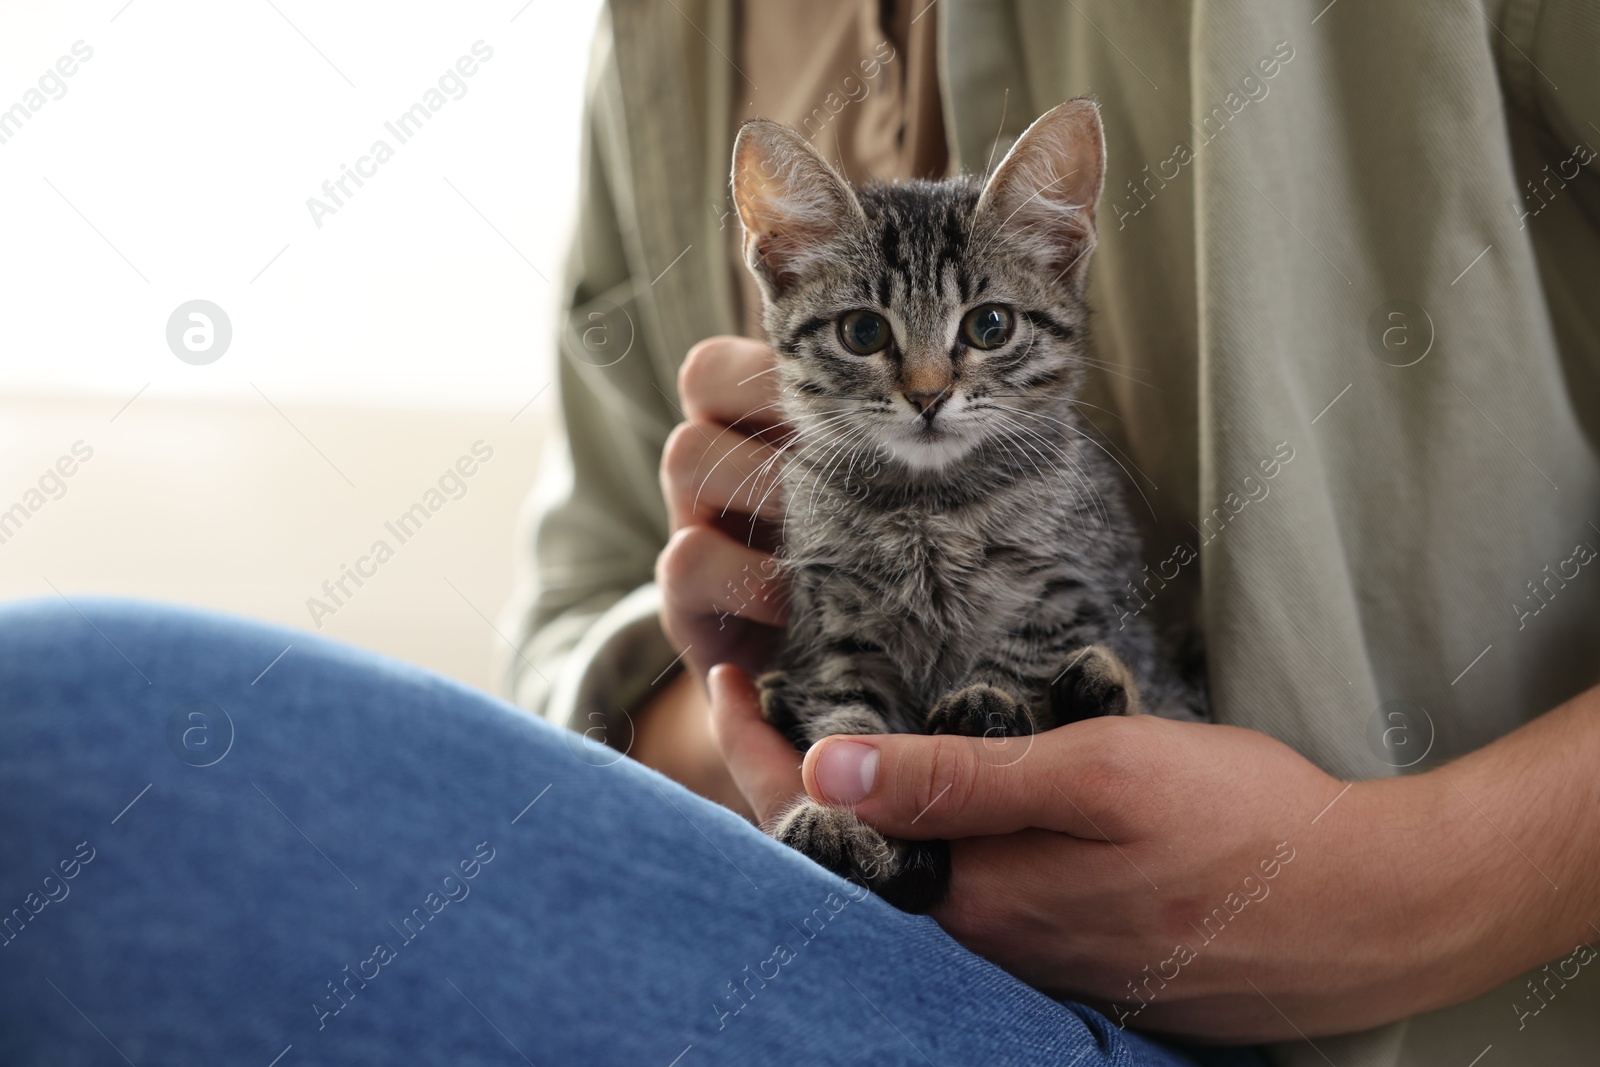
(1096, 682)
(911, 875)
(980, 711)
(839, 841)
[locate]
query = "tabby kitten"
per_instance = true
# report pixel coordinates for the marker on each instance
(955, 543)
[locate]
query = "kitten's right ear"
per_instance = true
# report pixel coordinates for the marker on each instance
(793, 205)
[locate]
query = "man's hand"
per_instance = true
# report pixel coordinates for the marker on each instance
(720, 588)
(1083, 857)
(764, 765)
(722, 601)
(1209, 881)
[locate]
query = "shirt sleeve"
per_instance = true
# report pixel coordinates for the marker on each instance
(583, 619)
(1545, 52)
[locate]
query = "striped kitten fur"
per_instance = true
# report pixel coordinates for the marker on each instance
(955, 543)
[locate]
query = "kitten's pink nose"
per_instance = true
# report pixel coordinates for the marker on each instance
(928, 403)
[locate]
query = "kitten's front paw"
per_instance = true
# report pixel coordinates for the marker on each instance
(980, 711)
(1096, 682)
(777, 703)
(805, 715)
(911, 875)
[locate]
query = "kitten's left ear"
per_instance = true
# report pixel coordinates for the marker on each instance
(1042, 196)
(794, 206)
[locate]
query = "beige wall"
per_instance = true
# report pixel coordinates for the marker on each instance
(227, 506)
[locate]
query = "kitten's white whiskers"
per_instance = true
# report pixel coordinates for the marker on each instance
(1005, 102)
(758, 374)
(1113, 458)
(1093, 495)
(813, 446)
(806, 445)
(760, 467)
(1059, 448)
(834, 458)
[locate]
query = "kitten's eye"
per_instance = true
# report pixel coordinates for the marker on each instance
(987, 326)
(864, 332)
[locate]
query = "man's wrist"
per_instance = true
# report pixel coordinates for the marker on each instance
(1479, 859)
(1442, 880)
(1404, 891)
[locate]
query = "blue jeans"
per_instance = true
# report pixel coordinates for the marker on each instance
(213, 849)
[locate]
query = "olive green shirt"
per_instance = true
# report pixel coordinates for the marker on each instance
(1347, 298)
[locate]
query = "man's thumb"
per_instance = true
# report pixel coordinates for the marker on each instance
(922, 787)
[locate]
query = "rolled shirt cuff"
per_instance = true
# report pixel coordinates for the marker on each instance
(620, 659)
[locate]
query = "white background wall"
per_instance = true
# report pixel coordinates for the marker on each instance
(367, 354)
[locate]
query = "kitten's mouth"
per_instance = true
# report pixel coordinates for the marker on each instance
(930, 446)
(934, 433)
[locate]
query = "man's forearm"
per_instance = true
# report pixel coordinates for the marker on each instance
(1508, 841)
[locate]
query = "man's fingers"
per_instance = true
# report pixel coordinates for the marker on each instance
(709, 471)
(1077, 779)
(730, 380)
(764, 765)
(704, 572)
